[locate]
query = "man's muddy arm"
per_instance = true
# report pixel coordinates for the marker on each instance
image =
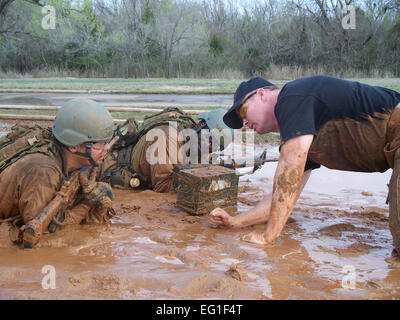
(261, 212)
(288, 180)
(257, 215)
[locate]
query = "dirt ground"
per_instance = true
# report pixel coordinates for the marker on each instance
(336, 245)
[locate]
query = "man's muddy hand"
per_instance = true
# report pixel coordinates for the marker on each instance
(257, 238)
(220, 218)
(98, 194)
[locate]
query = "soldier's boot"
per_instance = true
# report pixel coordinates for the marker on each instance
(394, 203)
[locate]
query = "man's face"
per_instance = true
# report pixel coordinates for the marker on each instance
(253, 112)
(98, 152)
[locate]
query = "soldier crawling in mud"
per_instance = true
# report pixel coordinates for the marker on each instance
(29, 180)
(150, 151)
(322, 120)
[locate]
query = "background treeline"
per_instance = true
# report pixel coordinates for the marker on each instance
(203, 38)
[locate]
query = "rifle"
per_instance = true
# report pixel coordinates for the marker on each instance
(69, 188)
(256, 162)
(55, 208)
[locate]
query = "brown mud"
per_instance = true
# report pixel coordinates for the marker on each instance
(154, 250)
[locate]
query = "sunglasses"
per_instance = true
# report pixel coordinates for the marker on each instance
(244, 105)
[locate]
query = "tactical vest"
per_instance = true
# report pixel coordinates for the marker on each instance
(130, 133)
(22, 140)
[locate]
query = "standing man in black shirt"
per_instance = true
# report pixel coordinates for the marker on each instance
(322, 120)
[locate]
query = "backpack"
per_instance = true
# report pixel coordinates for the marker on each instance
(22, 140)
(130, 131)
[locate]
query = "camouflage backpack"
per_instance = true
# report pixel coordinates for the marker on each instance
(130, 133)
(21, 140)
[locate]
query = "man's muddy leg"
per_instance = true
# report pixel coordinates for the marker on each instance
(394, 202)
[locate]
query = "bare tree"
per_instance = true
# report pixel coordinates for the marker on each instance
(4, 5)
(173, 23)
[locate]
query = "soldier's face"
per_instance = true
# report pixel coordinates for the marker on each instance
(98, 152)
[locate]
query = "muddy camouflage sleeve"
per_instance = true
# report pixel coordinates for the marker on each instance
(36, 189)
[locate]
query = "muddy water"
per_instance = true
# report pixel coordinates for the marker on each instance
(337, 233)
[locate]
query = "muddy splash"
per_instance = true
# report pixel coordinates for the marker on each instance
(336, 245)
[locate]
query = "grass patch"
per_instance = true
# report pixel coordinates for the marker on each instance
(28, 112)
(173, 86)
(155, 85)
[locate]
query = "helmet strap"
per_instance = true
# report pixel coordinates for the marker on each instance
(88, 154)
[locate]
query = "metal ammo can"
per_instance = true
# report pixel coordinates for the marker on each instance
(202, 189)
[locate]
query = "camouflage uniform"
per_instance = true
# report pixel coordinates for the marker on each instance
(29, 184)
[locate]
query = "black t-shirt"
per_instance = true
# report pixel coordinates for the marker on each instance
(348, 120)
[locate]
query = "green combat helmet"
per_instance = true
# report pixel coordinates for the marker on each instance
(217, 126)
(83, 121)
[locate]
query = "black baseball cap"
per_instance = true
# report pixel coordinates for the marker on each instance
(231, 118)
